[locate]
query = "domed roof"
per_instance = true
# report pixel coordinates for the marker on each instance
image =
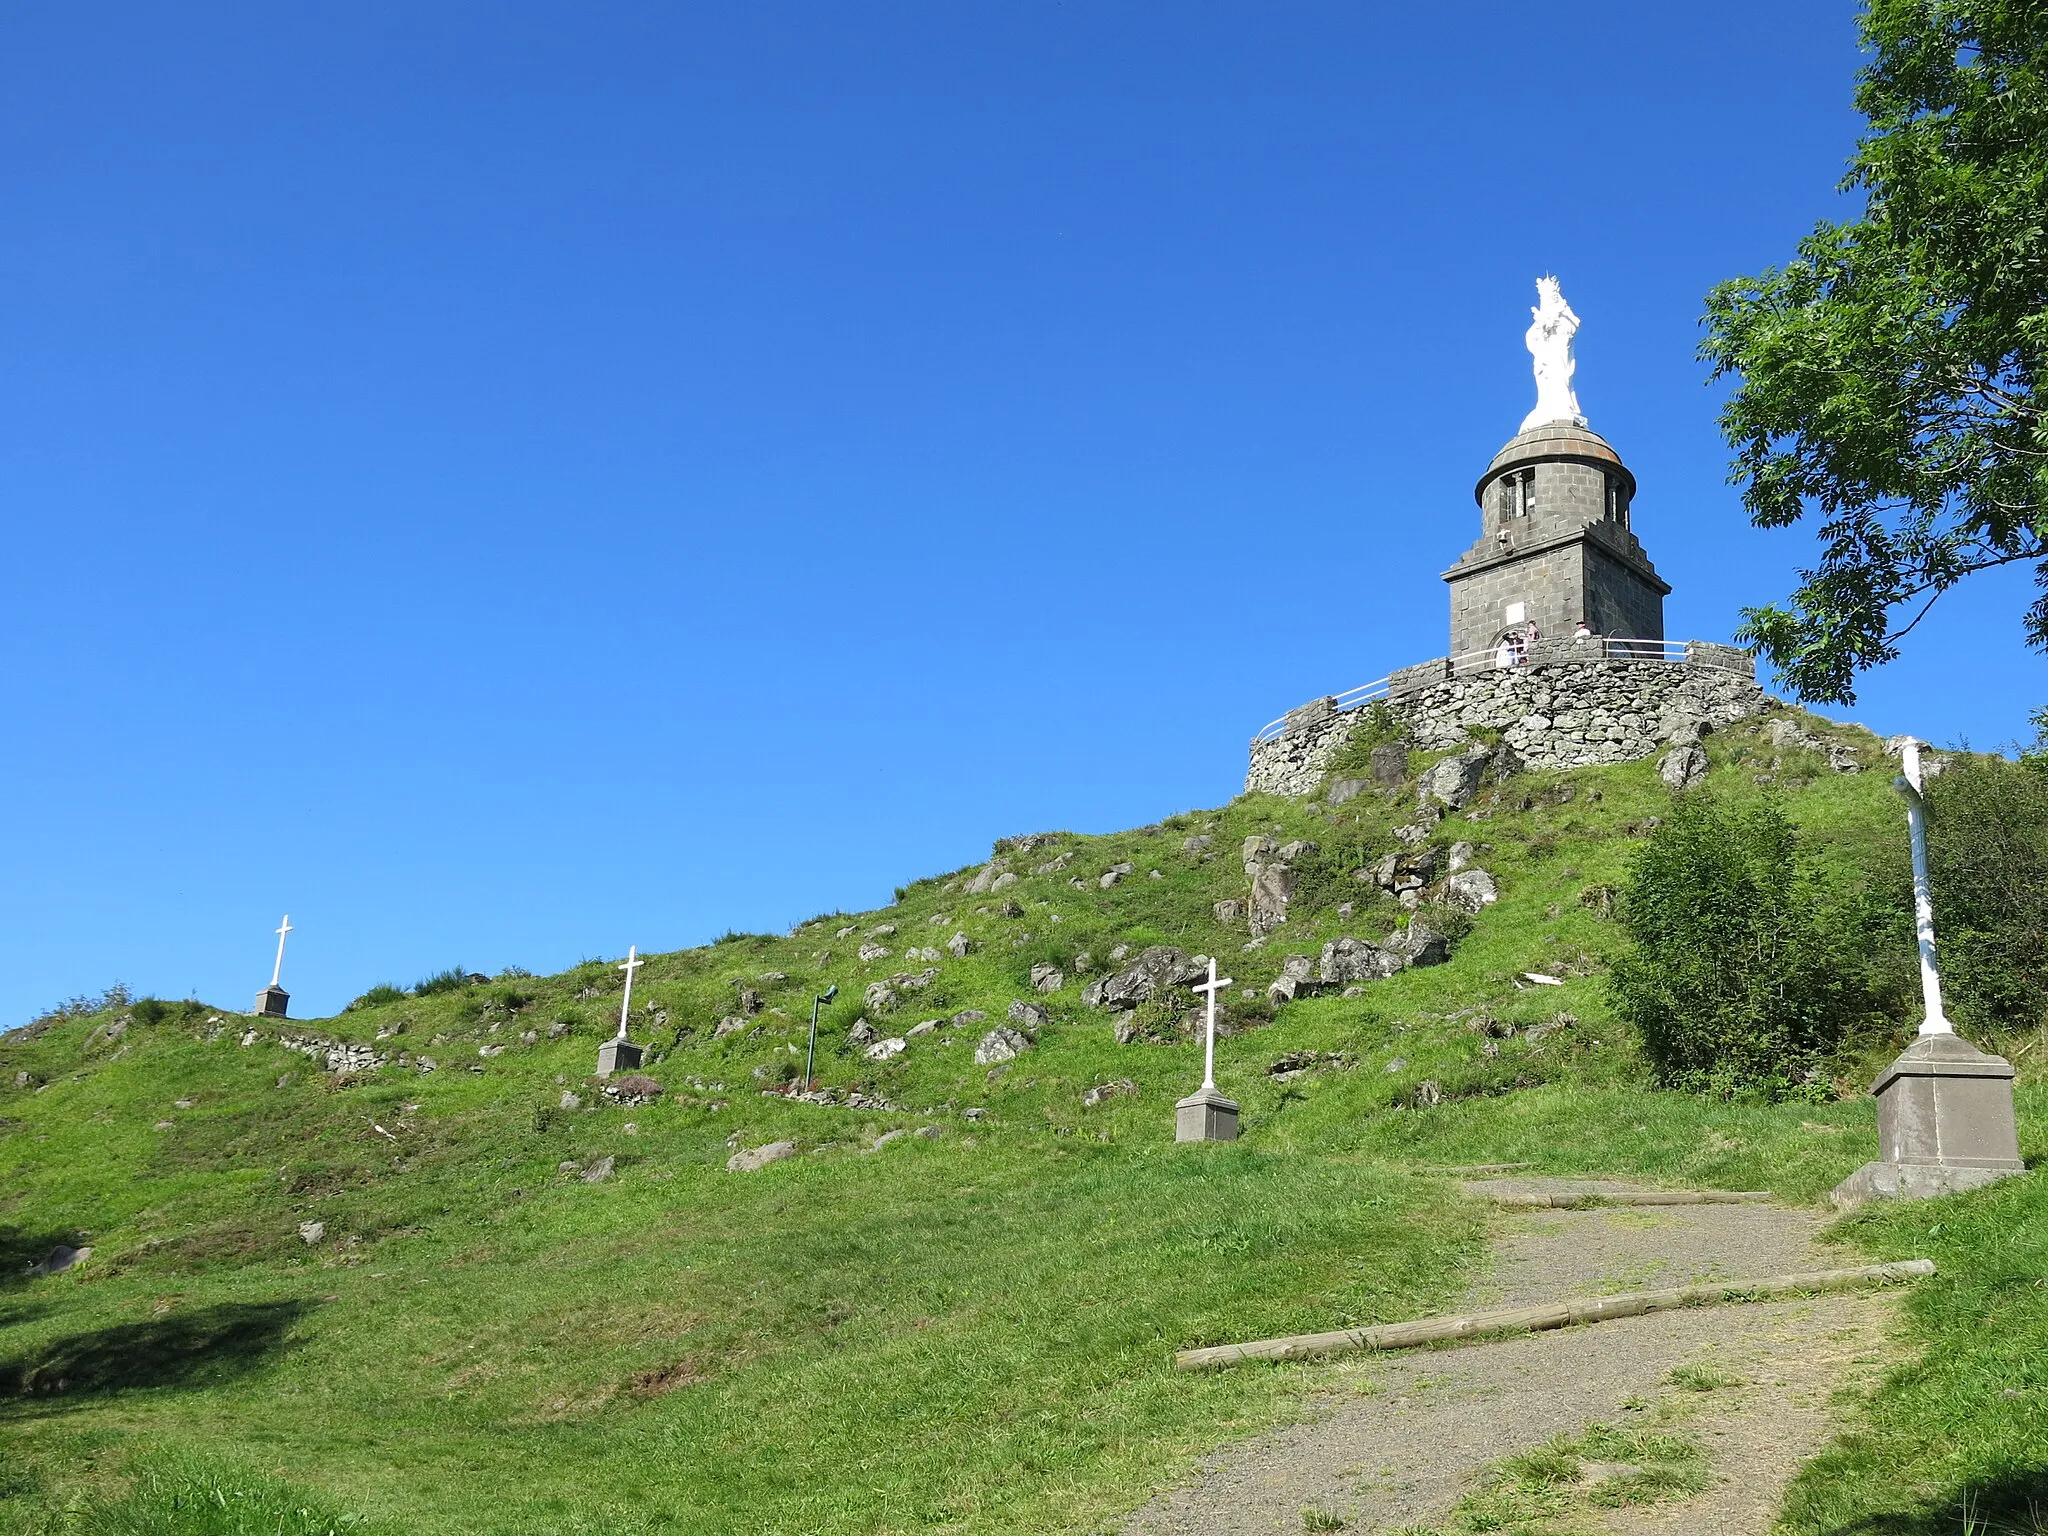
(1555, 440)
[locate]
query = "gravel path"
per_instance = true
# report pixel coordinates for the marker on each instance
(1397, 1440)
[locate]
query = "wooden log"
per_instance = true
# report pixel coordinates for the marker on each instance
(1589, 1199)
(1557, 1314)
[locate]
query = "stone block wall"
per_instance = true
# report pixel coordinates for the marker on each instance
(1553, 713)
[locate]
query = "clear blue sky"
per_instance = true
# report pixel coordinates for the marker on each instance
(508, 481)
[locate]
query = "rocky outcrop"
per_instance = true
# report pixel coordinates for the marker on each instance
(1157, 971)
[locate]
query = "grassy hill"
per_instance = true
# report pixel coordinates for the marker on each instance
(968, 1328)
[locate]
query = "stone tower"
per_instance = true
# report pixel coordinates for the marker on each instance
(1555, 548)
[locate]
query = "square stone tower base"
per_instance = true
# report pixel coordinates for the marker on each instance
(1944, 1123)
(617, 1056)
(1205, 1115)
(271, 1002)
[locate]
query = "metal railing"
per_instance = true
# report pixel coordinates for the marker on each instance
(1494, 658)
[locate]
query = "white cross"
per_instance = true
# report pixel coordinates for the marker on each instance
(631, 964)
(1212, 986)
(284, 928)
(1936, 1022)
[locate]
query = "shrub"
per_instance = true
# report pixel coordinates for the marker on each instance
(382, 993)
(1987, 858)
(451, 980)
(1747, 970)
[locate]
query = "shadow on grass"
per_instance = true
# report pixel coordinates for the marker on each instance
(22, 1249)
(2015, 1503)
(190, 1349)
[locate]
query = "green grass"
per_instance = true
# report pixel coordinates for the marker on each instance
(967, 1333)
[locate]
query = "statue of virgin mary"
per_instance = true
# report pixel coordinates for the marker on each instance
(1550, 343)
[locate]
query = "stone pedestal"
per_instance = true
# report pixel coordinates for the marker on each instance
(1205, 1115)
(1944, 1123)
(271, 1002)
(617, 1056)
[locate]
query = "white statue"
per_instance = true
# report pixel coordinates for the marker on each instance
(1550, 343)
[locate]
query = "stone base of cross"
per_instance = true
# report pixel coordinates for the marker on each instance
(1205, 1115)
(617, 1056)
(271, 1002)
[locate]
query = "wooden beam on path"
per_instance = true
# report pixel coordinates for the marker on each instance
(1579, 1201)
(1559, 1314)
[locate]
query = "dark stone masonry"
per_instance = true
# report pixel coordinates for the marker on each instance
(1554, 714)
(1557, 634)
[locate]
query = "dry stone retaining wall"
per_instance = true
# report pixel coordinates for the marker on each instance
(1554, 714)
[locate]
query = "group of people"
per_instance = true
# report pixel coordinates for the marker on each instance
(1519, 643)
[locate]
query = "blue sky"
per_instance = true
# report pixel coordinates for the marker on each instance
(507, 481)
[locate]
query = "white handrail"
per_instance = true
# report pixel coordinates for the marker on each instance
(1596, 648)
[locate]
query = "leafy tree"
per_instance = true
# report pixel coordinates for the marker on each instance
(1747, 970)
(1987, 859)
(1890, 374)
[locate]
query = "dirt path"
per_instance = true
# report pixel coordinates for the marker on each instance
(1398, 1440)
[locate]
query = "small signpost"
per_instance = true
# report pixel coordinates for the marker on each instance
(1205, 1115)
(272, 1001)
(619, 1054)
(1944, 1108)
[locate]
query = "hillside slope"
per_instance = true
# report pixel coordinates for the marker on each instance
(530, 1308)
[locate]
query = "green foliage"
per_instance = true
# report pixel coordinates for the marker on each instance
(1987, 857)
(382, 993)
(1373, 726)
(454, 979)
(1744, 975)
(1890, 374)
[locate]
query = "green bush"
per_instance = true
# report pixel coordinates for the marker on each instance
(1987, 857)
(451, 980)
(1747, 971)
(382, 993)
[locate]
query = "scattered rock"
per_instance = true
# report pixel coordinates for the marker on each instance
(1084, 963)
(1047, 978)
(633, 1088)
(1470, 890)
(999, 1045)
(862, 1033)
(1345, 790)
(1683, 767)
(1109, 878)
(570, 1100)
(1398, 1064)
(1117, 954)
(884, 1050)
(1427, 1092)
(310, 1232)
(59, 1259)
(1453, 782)
(969, 1016)
(1389, 764)
(1296, 851)
(1009, 909)
(1158, 968)
(730, 1025)
(959, 946)
(1028, 1016)
(1349, 960)
(756, 1158)
(1297, 979)
(1201, 842)
(871, 952)
(1295, 1063)
(1418, 944)
(880, 997)
(885, 1138)
(1272, 890)
(923, 1028)
(1122, 1088)
(598, 1171)
(1229, 911)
